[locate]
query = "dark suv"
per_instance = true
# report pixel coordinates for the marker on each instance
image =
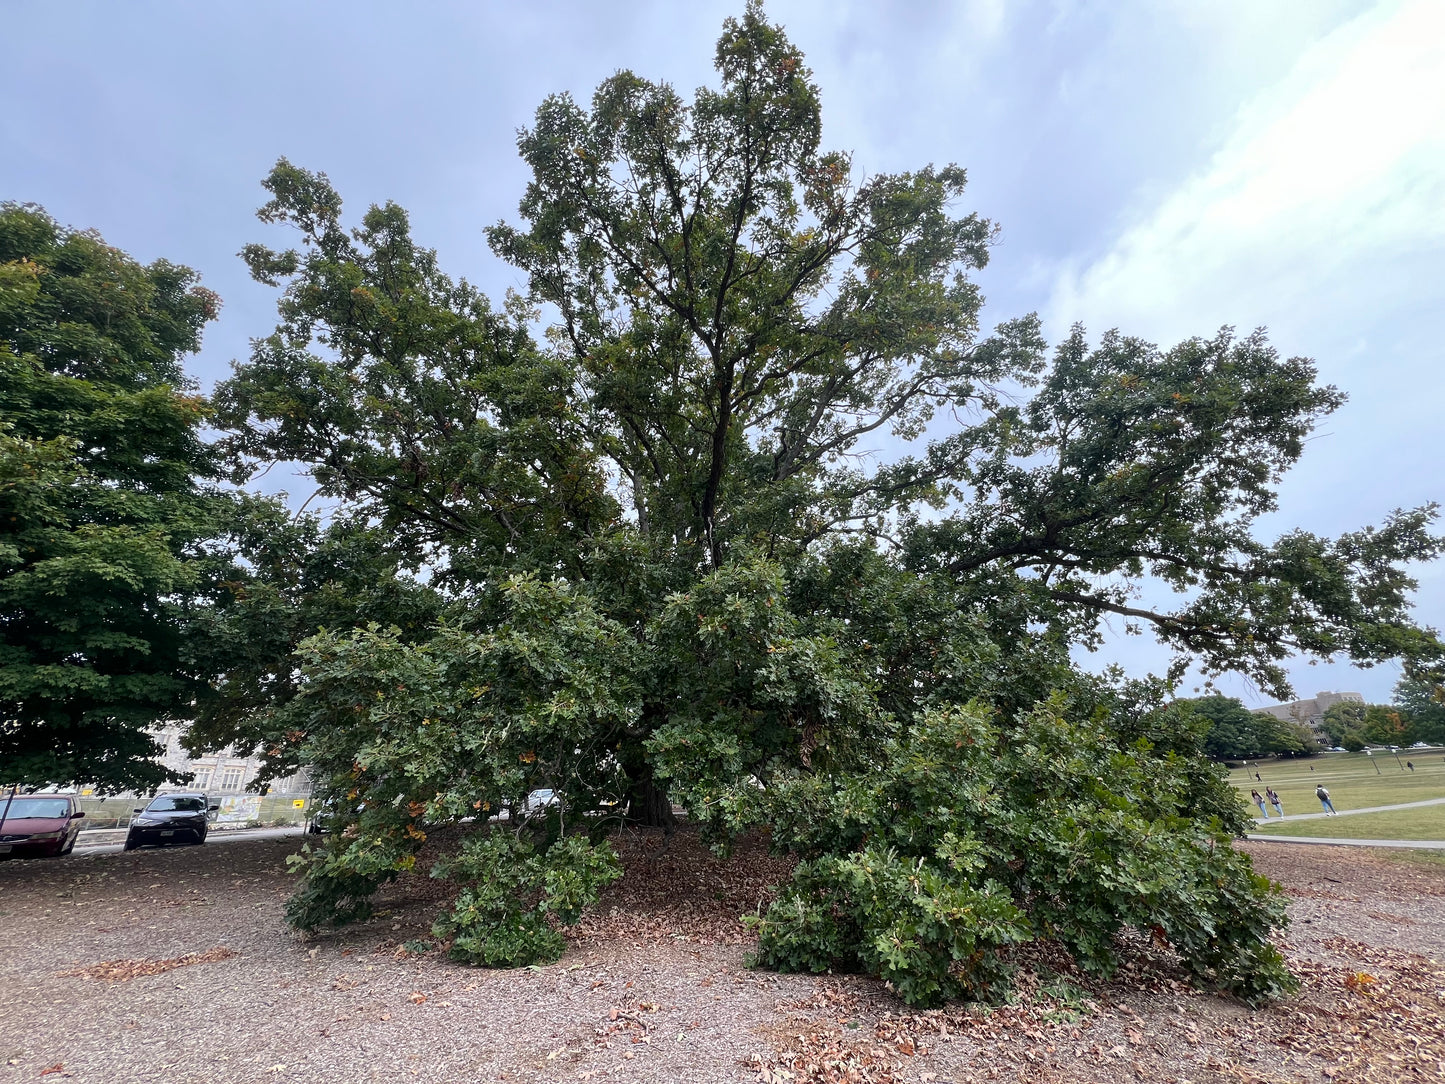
(170, 818)
(38, 825)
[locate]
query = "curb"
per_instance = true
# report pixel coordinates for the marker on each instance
(1405, 844)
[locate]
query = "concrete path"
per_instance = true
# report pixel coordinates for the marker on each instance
(115, 841)
(1413, 844)
(1349, 812)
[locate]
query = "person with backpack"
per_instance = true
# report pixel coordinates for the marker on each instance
(1325, 803)
(1269, 793)
(1259, 801)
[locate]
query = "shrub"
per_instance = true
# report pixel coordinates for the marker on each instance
(514, 896)
(968, 838)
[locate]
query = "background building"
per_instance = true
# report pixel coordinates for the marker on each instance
(1311, 712)
(223, 773)
(224, 776)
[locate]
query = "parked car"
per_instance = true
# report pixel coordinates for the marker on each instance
(322, 818)
(38, 825)
(170, 818)
(1421, 745)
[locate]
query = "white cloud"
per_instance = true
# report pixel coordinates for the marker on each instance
(1322, 205)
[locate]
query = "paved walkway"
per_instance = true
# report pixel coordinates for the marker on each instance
(112, 840)
(1349, 812)
(1414, 844)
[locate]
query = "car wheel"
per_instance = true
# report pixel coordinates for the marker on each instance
(69, 846)
(130, 844)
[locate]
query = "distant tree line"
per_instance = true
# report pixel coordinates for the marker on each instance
(1231, 731)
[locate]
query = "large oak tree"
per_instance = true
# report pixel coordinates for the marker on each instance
(671, 566)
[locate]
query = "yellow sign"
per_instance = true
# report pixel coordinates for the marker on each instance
(298, 803)
(86, 792)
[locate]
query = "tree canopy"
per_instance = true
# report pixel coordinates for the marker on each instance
(769, 526)
(1234, 731)
(1423, 704)
(107, 501)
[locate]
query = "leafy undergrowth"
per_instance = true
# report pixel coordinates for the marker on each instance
(673, 890)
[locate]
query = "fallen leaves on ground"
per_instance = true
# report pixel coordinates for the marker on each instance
(674, 889)
(125, 970)
(1383, 1024)
(1365, 1014)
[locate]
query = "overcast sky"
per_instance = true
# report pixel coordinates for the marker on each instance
(1165, 168)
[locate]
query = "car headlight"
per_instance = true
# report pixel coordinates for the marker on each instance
(144, 822)
(46, 837)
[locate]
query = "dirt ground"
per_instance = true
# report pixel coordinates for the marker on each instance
(176, 965)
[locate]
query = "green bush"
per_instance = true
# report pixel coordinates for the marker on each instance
(967, 838)
(931, 935)
(334, 892)
(514, 896)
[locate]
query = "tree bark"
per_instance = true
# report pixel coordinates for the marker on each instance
(647, 802)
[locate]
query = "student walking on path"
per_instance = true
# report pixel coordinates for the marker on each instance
(1324, 797)
(1274, 801)
(1259, 801)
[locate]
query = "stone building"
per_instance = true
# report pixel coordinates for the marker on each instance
(224, 773)
(1311, 712)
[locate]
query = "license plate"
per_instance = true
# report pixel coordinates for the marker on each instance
(169, 833)
(4, 848)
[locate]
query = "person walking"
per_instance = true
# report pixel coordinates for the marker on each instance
(1274, 801)
(1325, 803)
(1410, 764)
(1259, 801)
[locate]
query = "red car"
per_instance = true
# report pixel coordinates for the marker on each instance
(38, 825)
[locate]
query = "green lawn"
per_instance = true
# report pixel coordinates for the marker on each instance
(1351, 780)
(1425, 822)
(1430, 859)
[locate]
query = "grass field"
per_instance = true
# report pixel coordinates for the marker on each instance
(1424, 822)
(1353, 783)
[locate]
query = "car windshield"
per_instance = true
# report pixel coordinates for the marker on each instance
(36, 807)
(177, 804)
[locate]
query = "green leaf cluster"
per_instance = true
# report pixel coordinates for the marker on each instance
(967, 837)
(1233, 731)
(513, 898)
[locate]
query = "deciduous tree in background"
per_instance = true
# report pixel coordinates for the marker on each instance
(107, 501)
(1423, 703)
(1234, 731)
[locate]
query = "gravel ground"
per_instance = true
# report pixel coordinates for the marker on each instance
(175, 965)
